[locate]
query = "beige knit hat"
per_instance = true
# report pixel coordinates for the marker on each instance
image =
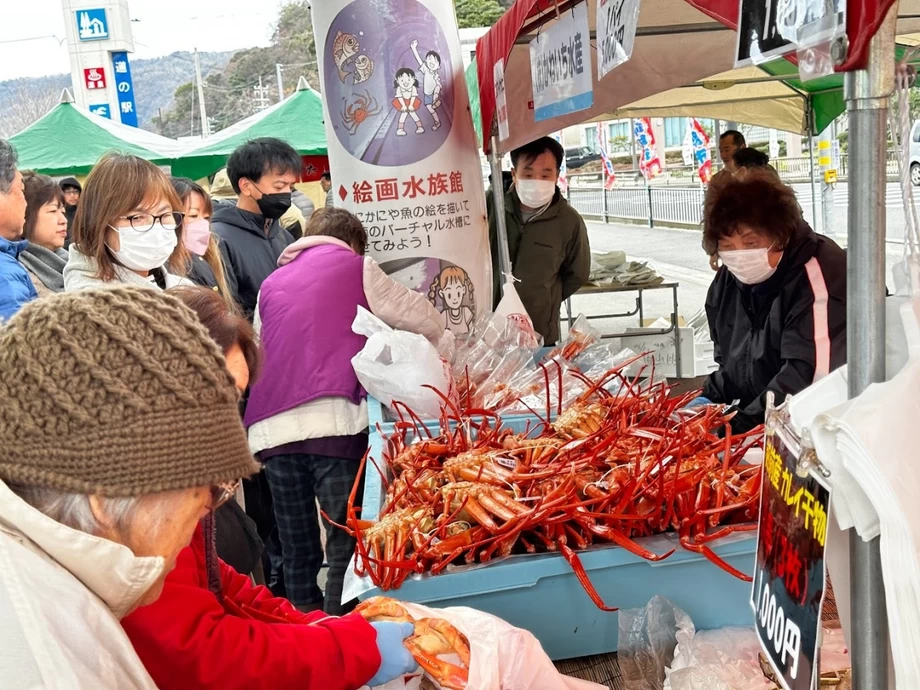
(118, 391)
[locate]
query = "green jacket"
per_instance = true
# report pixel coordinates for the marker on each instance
(550, 256)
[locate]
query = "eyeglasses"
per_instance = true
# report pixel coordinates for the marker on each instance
(221, 493)
(142, 222)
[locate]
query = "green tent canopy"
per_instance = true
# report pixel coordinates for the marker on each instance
(298, 120)
(69, 140)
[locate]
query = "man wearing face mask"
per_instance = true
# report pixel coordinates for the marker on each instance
(777, 306)
(547, 238)
(262, 172)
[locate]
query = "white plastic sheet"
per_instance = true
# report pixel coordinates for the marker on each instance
(502, 657)
(723, 659)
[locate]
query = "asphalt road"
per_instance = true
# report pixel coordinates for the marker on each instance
(894, 208)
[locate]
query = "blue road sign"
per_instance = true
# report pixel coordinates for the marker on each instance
(101, 109)
(92, 24)
(124, 87)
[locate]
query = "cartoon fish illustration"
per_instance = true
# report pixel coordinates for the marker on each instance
(364, 68)
(344, 48)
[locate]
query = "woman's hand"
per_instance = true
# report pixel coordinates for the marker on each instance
(395, 659)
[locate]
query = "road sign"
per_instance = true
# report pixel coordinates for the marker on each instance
(94, 78)
(92, 24)
(789, 571)
(124, 87)
(101, 109)
(771, 28)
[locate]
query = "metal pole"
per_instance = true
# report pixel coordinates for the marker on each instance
(205, 125)
(498, 208)
(632, 140)
(826, 162)
(867, 94)
(814, 190)
(278, 68)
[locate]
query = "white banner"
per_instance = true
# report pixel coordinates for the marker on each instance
(560, 66)
(616, 33)
(402, 149)
(501, 104)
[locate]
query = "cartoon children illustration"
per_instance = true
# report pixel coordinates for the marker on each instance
(454, 287)
(406, 100)
(431, 81)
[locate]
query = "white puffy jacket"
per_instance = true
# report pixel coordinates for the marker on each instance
(395, 305)
(62, 593)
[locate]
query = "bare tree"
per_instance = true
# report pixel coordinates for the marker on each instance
(26, 106)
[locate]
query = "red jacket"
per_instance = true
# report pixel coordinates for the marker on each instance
(251, 640)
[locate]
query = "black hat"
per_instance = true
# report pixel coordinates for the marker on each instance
(71, 182)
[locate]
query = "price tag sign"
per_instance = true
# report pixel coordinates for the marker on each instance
(789, 573)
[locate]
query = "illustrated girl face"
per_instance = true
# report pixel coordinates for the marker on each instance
(453, 293)
(405, 80)
(432, 61)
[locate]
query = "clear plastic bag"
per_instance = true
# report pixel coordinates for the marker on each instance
(396, 365)
(502, 657)
(723, 659)
(647, 640)
(581, 336)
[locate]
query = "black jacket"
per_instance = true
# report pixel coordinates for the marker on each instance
(201, 273)
(249, 253)
(69, 213)
(777, 334)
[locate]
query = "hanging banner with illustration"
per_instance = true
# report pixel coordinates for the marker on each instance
(649, 164)
(560, 66)
(610, 177)
(501, 104)
(696, 150)
(402, 148)
(616, 33)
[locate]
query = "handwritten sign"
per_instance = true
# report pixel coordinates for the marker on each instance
(616, 33)
(560, 66)
(768, 29)
(789, 573)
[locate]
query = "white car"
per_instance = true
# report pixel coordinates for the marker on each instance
(915, 154)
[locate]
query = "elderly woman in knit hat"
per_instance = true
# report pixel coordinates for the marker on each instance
(119, 433)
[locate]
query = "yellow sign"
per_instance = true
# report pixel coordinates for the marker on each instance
(830, 177)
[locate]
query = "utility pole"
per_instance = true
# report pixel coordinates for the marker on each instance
(278, 69)
(205, 125)
(260, 100)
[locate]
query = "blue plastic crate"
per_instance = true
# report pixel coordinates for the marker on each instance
(540, 593)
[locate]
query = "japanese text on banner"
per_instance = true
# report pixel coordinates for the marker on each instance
(402, 148)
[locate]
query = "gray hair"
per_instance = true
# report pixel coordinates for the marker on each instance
(8, 161)
(74, 510)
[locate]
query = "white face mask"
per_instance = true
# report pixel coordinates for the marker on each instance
(144, 251)
(535, 193)
(749, 266)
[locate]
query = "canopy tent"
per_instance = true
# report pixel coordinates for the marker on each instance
(69, 140)
(681, 65)
(298, 119)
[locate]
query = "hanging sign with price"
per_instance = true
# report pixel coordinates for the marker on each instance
(789, 573)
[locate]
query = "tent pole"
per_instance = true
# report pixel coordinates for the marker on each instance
(498, 208)
(867, 94)
(810, 118)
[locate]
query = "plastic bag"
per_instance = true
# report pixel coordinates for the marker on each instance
(581, 336)
(512, 308)
(723, 659)
(396, 365)
(502, 657)
(647, 640)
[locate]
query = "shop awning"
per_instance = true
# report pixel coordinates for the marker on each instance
(298, 120)
(69, 140)
(681, 65)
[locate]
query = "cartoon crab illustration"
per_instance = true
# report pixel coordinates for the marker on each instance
(358, 110)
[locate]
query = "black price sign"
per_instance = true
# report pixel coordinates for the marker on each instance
(789, 574)
(772, 28)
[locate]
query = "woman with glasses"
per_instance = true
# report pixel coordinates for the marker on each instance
(101, 491)
(128, 228)
(211, 628)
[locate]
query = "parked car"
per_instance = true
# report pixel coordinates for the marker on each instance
(915, 154)
(579, 156)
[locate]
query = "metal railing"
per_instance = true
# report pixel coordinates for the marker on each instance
(668, 205)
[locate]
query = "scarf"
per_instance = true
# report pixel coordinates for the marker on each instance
(47, 265)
